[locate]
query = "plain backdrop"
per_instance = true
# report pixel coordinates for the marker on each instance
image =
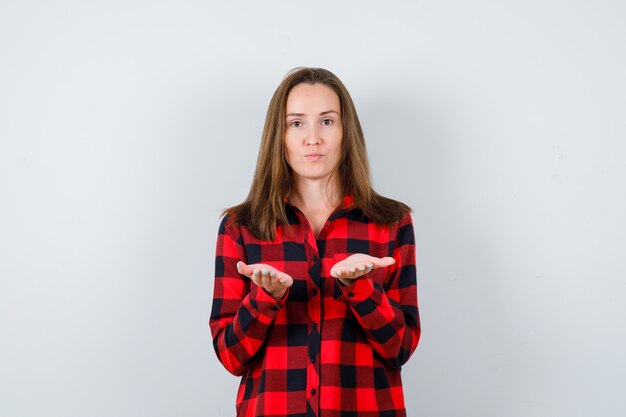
(127, 126)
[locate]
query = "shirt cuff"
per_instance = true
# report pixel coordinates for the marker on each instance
(360, 290)
(264, 303)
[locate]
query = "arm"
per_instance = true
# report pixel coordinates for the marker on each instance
(389, 314)
(242, 313)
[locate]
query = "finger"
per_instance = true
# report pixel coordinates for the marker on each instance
(365, 268)
(349, 273)
(341, 272)
(284, 279)
(270, 280)
(270, 283)
(279, 278)
(255, 276)
(244, 269)
(383, 262)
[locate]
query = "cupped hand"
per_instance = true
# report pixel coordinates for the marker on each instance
(357, 265)
(272, 280)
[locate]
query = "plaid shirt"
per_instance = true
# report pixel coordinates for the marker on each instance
(325, 349)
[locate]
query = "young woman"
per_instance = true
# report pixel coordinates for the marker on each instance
(315, 301)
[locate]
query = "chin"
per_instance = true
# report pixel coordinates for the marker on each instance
(317, 177)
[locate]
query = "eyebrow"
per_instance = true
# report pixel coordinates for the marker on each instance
(324, 113)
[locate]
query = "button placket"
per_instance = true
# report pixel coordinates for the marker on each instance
(314, 316)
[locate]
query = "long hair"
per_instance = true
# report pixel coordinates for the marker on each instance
(274, 179)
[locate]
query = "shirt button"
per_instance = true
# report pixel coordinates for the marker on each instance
(313, 391)
(313, 360)
(314, 292)
(314, 258)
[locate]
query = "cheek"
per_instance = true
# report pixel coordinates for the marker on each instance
(288, 149)
(338, 144)
(339, 138)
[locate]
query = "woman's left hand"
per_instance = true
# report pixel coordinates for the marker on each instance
(357, 265)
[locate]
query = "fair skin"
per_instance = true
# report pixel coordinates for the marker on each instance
(313, 134)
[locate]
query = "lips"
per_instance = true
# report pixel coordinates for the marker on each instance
(313, 156)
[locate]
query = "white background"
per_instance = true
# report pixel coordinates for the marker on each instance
(127, 126)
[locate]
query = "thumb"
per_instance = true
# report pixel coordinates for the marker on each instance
(244, 269)
(384, 262)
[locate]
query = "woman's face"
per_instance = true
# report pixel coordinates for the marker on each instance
(313, 131)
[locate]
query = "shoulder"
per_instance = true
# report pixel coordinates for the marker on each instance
(405, 232)
(395, 205)
(226, 221)
(406, 219)
(229, 226)
(394, 217)
(387, 211)
(235, 217)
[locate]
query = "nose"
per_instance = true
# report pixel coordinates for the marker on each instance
(312, 137)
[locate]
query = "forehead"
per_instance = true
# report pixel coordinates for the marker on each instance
(312, 98)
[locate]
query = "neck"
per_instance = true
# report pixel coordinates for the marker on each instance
(316, 194)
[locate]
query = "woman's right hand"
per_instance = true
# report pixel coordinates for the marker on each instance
(273, 281)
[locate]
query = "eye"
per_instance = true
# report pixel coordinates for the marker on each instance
(327, 122)
(295, 123)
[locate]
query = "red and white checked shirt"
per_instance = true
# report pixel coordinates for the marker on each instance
(325, 350)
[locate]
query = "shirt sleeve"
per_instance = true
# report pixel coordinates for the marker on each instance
(242, 313)
(388, 313)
